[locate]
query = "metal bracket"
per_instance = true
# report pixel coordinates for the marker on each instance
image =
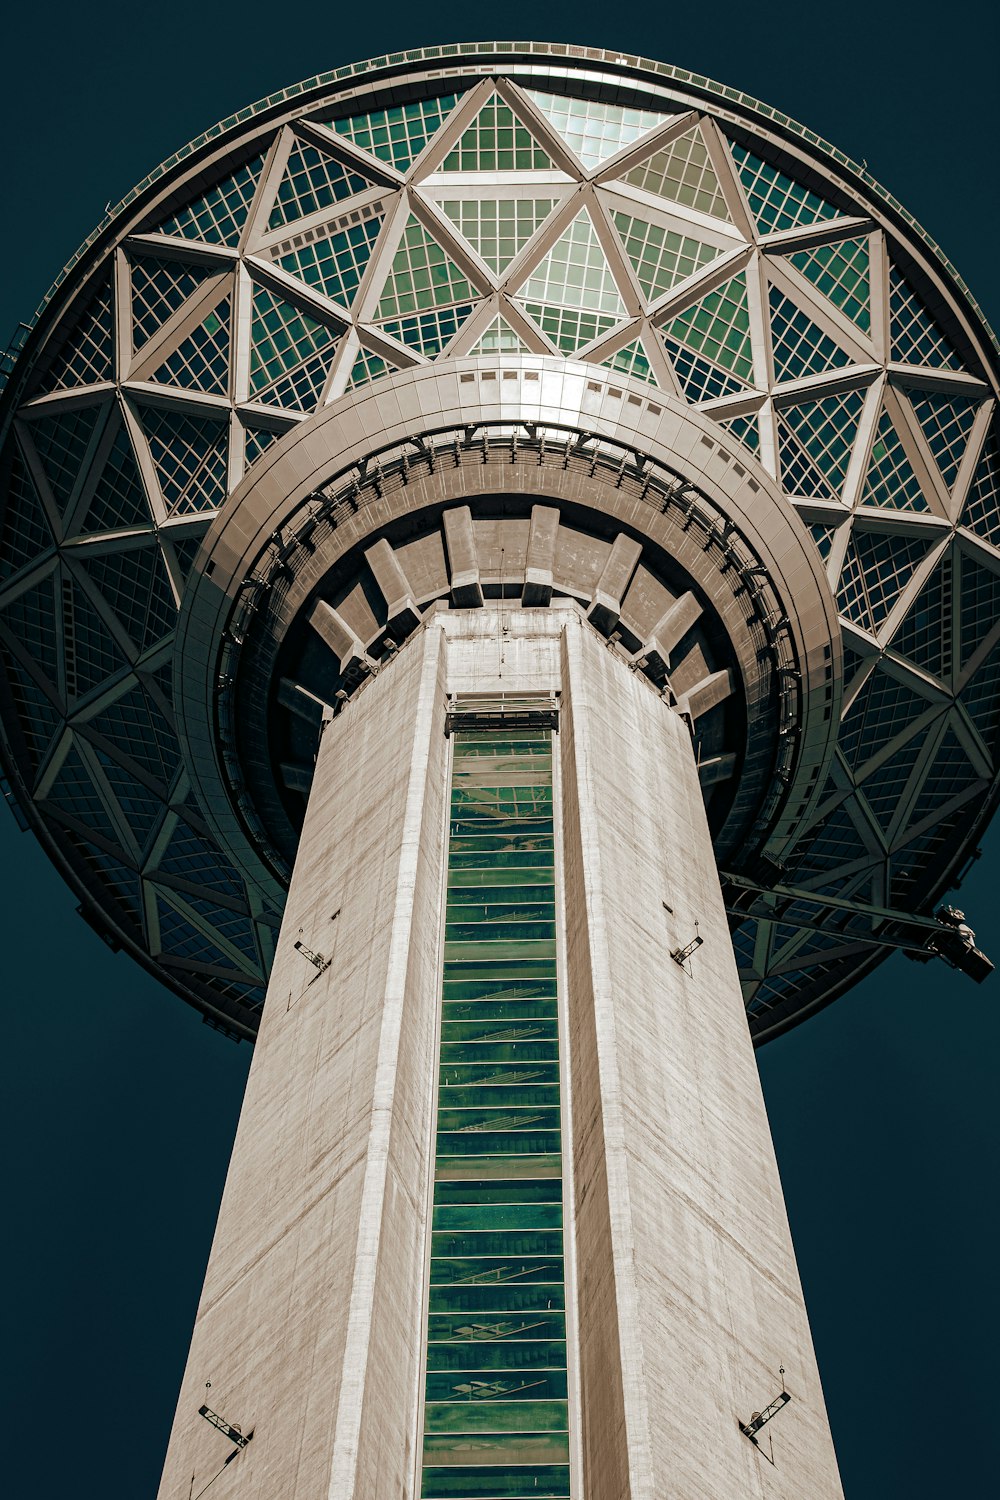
(681, 955)
(227, 1429)
(759, 1418)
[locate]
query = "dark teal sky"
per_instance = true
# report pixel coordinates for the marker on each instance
(120, 1106)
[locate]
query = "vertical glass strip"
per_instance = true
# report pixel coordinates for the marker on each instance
(496, 1409)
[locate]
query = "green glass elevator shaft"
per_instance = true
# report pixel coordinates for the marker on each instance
(496, 1412)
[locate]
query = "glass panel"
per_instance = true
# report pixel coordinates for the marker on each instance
(480, 1216)
(776, 201)
(632, 360)
(482, 1411)
(496, 1297)
(498, 229)
(595, 131)
(422, 276)
(397, 135)
(661, 257)
(496, 141)
(496, 1413)
(540, 1481)
(718, 329)
(682, 173)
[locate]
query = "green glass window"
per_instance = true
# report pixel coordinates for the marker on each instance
(496, 1412)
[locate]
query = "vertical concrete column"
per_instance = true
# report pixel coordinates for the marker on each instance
(689, 1298)
(310, 1324)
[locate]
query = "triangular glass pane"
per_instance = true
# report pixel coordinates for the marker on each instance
(980, 605)
(74, 792)
(915, 864)
(159, 288)
(717, 327)
(368, 367)
(853, 660)
(981, 699)
(568, 330)
(661, 257)
(282, 337)
(428, 332)
(823, 537)
(682, 173)
(982, 509)
(882, 709)
(31, 619)
(877, 568)
(698, 378)
(218, 216)
(235, 928)
(884, 787)
(136, 726)
(143, 809)
(800, 348)
(498, 228)
(163, 675)
(181, 939)
(916, 338)
(423, 276)
(37, 717)
(87, 355)
(136, 586)
(61, 442)
(190, 857)
(25, 534)
(776, 200)
(335, 264)
(632, 360)
(595, 131)
(834, 843)
(890, 481)
(746, 430)
(302, 387)
(924, 635)
(946, 422)
(113, 879)
(575, 274)
(91, 655)
(951, 773)
(496, 141)
(815, 441)
(257, 440)
(186, 550)
(201, 362)
(312, 181)
(189, 453)
(500, 338)
(842, 273)
(397, 135)
(119, 499)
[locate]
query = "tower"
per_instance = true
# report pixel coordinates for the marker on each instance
(878, 534)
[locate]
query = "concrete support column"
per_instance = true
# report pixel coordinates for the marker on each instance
(310, 1327)
(689, 1298)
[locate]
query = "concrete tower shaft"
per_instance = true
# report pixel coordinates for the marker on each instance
(674, 1267)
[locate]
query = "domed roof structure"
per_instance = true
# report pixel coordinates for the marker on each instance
(624, 295)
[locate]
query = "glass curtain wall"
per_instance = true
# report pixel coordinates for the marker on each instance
(496, 1413)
